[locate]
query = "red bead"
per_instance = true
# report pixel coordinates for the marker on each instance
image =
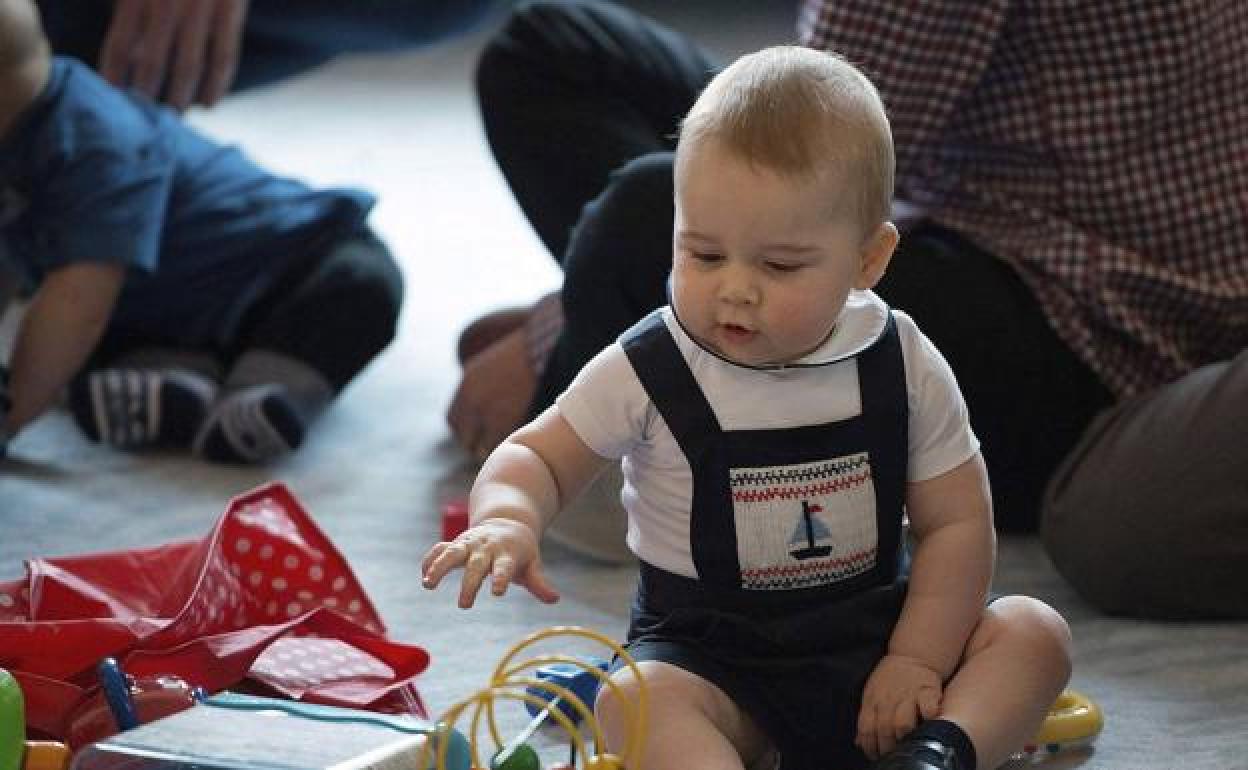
(454, 519)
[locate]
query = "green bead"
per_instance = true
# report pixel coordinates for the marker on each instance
(12, 723)
(522, 757)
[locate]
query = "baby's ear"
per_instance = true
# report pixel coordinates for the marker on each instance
(877, 251)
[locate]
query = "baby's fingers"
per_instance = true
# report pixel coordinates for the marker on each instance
(929, 702)
(905, 719)
(866, 739)
(441, 559)
(502, 573)
(478, 565)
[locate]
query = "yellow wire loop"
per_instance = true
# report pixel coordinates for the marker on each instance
(508, 683)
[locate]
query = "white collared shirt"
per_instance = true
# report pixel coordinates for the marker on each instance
(609, 409)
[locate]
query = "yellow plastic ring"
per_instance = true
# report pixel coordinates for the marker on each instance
(1072, 719)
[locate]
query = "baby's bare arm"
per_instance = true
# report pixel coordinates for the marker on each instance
(952, 520)
(519, 490)
(60, 328)
(951, 516)
(24, 59)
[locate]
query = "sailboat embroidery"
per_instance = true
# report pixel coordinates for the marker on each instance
(811, 538)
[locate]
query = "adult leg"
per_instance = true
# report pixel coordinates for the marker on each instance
(335, 314)
(285, 37)
(1149, 514)
(570, 91)
(300, 345)
(1029, 396)
(616, 268)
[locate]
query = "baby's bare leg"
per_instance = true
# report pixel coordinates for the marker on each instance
(691, 724)
(1017, 663)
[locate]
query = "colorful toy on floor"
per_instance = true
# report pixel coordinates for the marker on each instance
(1073, 722)
(127, 702)
(234, 731)
(17, 753)
(454, 519)
(46, 755)
(579, 678)
(12, 722)
(512, 680)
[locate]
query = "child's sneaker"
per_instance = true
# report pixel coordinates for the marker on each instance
(132, 408)
(251, 425)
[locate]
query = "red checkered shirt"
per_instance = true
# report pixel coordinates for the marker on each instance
(1100, 146)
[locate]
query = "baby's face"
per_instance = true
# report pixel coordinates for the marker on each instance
(761, 266)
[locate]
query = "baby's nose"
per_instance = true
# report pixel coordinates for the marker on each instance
(739, 287)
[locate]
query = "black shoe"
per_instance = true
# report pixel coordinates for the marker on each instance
(919, 754)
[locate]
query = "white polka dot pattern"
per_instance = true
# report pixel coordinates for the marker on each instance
(293, 666)
(266, 581)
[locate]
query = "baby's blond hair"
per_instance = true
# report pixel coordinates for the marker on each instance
(802, 113)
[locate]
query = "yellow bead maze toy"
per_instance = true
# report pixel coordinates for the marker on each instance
(562, 688)
(516, 679)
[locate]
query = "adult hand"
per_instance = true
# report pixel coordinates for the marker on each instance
(186, 50)
(502, 550)
(900, 692)
(493, 397)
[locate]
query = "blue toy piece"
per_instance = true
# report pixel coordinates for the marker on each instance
(578, 680)
(117, 695)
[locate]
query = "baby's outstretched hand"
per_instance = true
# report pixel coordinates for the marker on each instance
(503, 550)
(900, 692)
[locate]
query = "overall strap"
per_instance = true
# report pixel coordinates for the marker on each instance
(668, 381)
(881, 372)
(886, 409)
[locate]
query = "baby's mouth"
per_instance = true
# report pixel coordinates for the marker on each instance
(736, 331)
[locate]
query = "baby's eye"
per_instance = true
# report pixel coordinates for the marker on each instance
(706, 256)
(782, 267)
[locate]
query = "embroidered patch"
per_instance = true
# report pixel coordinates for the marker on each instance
(804, 525)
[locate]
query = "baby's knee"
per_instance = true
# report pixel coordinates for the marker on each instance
(1033, 628)
(618, 697)
(666, 688)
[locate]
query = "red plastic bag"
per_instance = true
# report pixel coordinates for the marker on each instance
(264, 601)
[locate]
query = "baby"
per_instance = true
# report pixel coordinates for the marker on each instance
(778, 424)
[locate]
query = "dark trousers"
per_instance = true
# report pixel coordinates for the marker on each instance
(580, 104)
(336, 312)
(285, 37)
(334, 309)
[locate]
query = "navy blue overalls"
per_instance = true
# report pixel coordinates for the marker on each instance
(796, 534)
